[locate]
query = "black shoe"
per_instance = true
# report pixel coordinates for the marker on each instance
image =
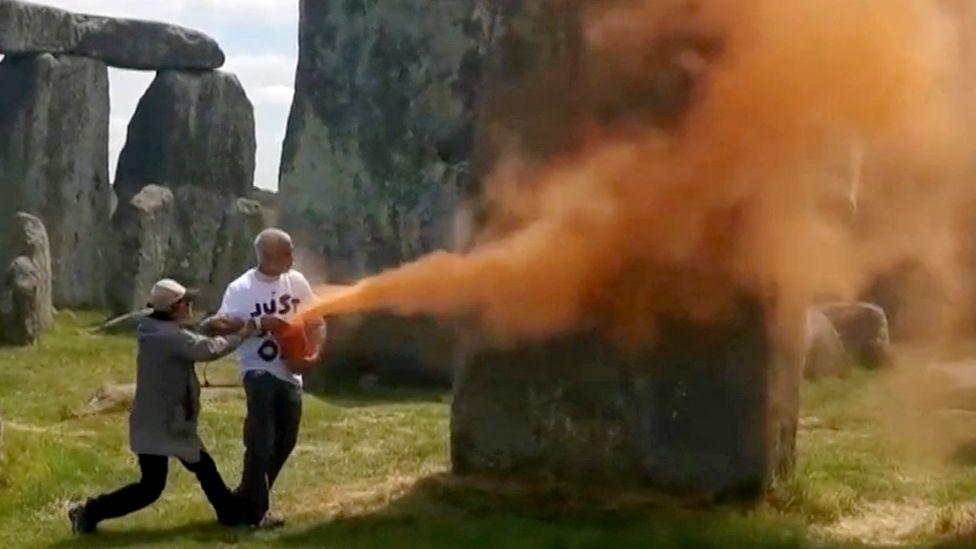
(231, 517)
(80, 523)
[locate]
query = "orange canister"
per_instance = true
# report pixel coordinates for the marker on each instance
(293, 341)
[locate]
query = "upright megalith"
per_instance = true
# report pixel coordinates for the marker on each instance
(377, 155)
(20, 315)
(25, 287)
(183, 180)
(701, 412)
(234, 247)
(27, 28)
(190, 129)
(381, 129)
(705, 404)
(54, 114)
(29, 239)
(141, 229)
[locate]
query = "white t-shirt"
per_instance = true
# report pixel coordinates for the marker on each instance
(254, 295)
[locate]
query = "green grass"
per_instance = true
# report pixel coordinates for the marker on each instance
(371, 471)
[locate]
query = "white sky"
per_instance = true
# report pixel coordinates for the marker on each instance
(260, 39)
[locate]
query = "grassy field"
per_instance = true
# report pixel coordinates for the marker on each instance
(370, 471)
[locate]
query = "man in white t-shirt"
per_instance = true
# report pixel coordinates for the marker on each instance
(263, 296)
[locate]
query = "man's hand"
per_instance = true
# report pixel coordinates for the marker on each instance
(271, 323)
(220, 325)
(315, 332)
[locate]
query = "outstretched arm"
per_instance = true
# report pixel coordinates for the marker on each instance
(221, 325)
(198, 348)
(228, 319)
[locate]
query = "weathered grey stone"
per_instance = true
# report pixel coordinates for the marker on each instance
(142, 230)
(234, 250)
(376, 157)
(54, 112)
(29, 239)
(190, 129)
(824, 355)
(203, 239)
(710, 410)
(191, 257)
(20, 315)
(863, 327)
(27, 28)
(32, 28)
(133, 44)
(269, 205)
(381, 128)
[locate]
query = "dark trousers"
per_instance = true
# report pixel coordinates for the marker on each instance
(141, 494)
(274, 412)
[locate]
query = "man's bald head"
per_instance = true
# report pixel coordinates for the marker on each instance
(273, 248)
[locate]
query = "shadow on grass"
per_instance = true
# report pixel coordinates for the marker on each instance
(445, 512)
(965, 539)
(351, 396)
(965, 453)
(209, 532)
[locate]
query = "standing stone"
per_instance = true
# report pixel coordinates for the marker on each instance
(142, 229)
(863, 327)
(193, 133)
(20, 315)
(212, 242)
(191, 129)
(27, 28)
(199, 215)
(269, 205)
(54, 113)
(234, 251)
(381, 129)
(710, 410)
(29, 239)
(824, 354)
(191, 235)
(376, 158)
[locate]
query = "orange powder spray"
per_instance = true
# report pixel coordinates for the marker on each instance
(750, 194)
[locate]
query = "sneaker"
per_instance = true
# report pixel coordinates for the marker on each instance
(80, 524)
(270, 522)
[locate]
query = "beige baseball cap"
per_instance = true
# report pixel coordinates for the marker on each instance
(166, 293)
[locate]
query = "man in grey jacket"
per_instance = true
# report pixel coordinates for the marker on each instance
(163, 422)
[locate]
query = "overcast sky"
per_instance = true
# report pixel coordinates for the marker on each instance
(260, 39)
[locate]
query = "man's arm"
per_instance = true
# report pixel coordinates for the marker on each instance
(221, 325)
(199, 348)
(314, 328)
(227, 321)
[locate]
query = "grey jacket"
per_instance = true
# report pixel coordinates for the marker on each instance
(167, 400)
